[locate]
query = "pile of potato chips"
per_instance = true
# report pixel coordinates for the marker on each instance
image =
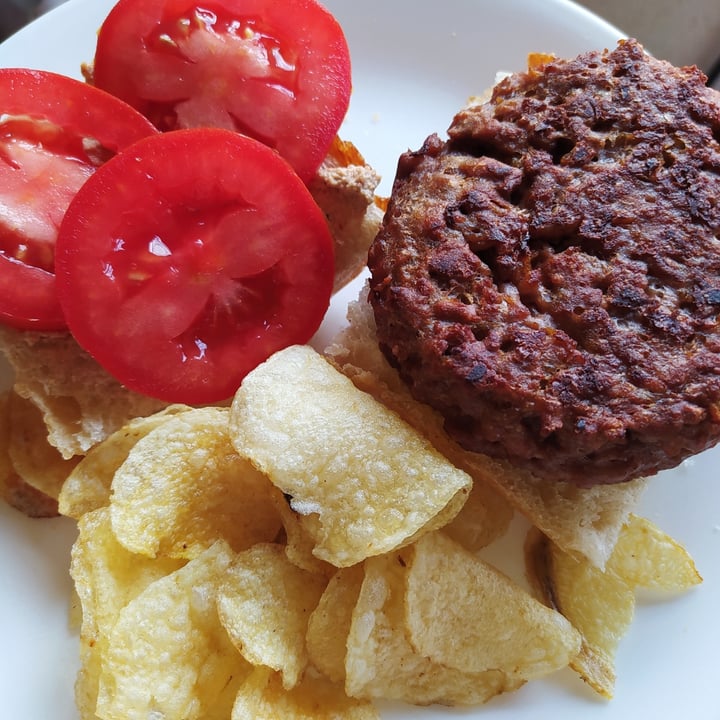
(304, 553)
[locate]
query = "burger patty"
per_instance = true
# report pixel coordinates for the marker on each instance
(548, 278)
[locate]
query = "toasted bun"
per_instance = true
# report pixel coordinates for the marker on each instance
(582, 521)
(82, 404)
(344, 189)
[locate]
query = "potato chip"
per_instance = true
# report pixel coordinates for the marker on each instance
(264, 603)
(463, 613)
(36, 461)
(381, 662)
(87, 681)
(484, 518)
(329, 624)
(183, 486)
(88, 485)
(363, 479)
(13, 489)
(646, 557)
(27, 499)
(299, 544)
(601, 604)
(263, 697)
(107, 577)
(167, 655)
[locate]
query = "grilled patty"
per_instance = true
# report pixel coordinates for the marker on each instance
(548, 277)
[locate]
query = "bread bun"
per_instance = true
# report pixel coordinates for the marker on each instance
(82, 404)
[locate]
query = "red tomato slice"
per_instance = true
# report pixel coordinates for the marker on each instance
(54, 132)
(277, 71)
(188, 259)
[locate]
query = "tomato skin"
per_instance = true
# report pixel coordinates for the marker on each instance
(45, 118)
(190, 258)
(186, 63)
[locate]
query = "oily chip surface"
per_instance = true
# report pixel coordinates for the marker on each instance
(183, 486)
(464, 614)
(167, 654)
(264, 603)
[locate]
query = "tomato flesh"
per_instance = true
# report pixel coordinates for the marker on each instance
(190, 258)
(37, 182)
(54, 133)
(279, 72)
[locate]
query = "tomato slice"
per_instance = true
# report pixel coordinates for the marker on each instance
(277, 71)
(54, 133)
(188, 259)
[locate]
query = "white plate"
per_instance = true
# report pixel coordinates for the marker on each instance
(415, 62)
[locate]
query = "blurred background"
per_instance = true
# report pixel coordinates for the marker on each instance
(685, 33)
(16, 13)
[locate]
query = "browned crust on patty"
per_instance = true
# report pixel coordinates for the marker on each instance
(549, 277)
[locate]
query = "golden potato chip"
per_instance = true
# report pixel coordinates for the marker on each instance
(329, 624)
(107, 577)
(183, 486)
(381, 662)
(36, 461)
(484, 518)
(264, 603)
(601, 604)
(364, 481)
(463, 613)
(263, 697)
(87, 682)
(167, 655)
(88, 485)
